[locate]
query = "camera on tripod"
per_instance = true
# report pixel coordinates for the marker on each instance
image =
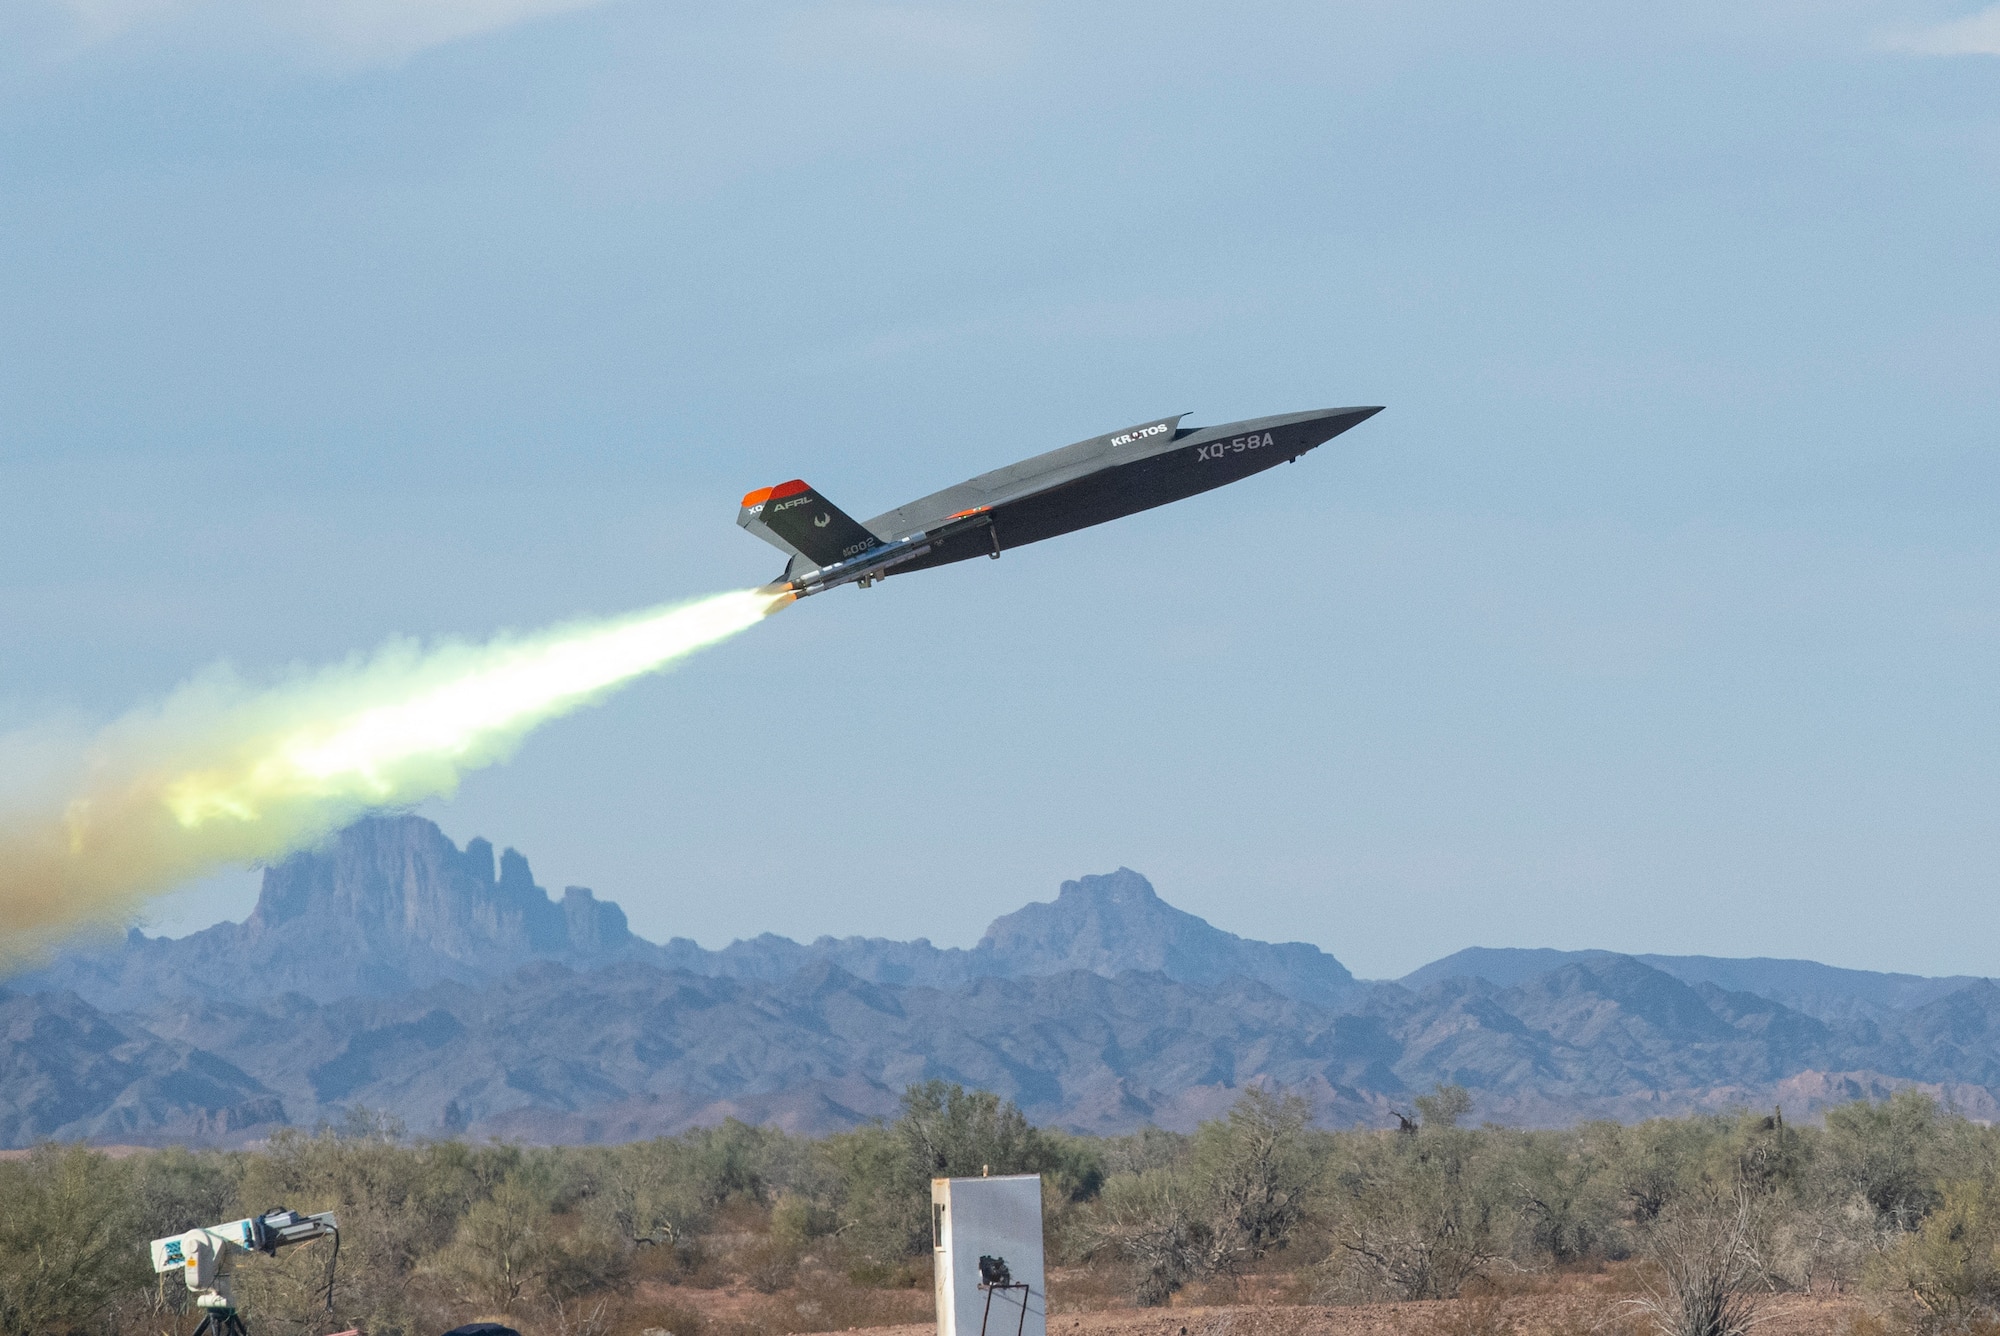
(205, 1257)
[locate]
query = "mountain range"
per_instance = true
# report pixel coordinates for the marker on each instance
(393, 970)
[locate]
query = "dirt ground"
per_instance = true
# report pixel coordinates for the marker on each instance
(1789, 1315)
(1523, 1315)
(1584, 1304)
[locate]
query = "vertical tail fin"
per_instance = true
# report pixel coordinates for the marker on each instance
(801, 521)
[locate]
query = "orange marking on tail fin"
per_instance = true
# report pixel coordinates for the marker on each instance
(758, 497)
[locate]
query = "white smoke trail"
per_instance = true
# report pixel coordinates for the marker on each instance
(219, 775)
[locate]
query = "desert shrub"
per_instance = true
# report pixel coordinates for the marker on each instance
(1073, 1173)
(1150, 1222)
(948, 1131)
(944, 1131)
(1414, 1213)
(798, 1220)
(1799, 1224)
(734, 1161)
(1797, 1230)
(175, 1190)
(66, 1242)
(436, 1232)
(1699, 1247)
(1560, 1193)
(1254, 1175)
(1444, 1107)
(795, 1166)
(1767, 1157)
(1483, 1315)
(882, 1215)
(510, 1251)
(496, 1254)
(666, 1194)
(1887, 1154)
(1148, 1148)
(397, 1203)
(652, 1192)
(1814, 1231)
(1945, 1275)
(1656, 1162)
(1179, 1208)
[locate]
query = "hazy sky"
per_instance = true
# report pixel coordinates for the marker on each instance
(1661, 611)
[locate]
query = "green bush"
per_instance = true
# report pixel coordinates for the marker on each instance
(437, 1232)
(1946, 1272)
(68, 1242)
(1417, 1213)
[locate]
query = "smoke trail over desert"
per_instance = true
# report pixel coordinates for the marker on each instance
(219, 774)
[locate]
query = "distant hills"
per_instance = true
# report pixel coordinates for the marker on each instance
(1822, 991)
(395, 971)
(393, 905)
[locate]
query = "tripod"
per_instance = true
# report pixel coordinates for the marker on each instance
(221, 1322)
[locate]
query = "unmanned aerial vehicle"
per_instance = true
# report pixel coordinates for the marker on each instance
(1106, 477)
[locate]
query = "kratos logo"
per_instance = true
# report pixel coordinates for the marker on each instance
(821, 521)
(1127, 437)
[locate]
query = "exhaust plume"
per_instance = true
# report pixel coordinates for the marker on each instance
(218, 774)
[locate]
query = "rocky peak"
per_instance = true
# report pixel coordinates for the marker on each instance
(395, 883)
(1116, 922)
(394, 897)
(593, 925)
(516, 881)
(1123, 888)
(390, 903)
(1103, 924)
(478, 858)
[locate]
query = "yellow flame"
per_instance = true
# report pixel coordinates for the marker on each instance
(204, 781)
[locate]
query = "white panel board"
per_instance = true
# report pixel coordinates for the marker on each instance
(989, 1217)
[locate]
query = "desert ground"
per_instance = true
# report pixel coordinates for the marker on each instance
(1603, 1301)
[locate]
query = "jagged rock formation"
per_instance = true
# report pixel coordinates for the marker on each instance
(394, 971)
(388, 905)
(392, 904)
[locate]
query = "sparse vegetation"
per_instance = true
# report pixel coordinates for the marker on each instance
(1687, 1225)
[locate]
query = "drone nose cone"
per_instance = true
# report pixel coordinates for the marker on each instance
(1323, 427)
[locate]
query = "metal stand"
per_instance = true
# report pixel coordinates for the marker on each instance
(988, 1312)
(221, 1322)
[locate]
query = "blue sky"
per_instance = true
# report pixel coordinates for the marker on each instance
(1661, 610)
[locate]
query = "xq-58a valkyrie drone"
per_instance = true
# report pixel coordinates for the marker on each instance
(1103, 478)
